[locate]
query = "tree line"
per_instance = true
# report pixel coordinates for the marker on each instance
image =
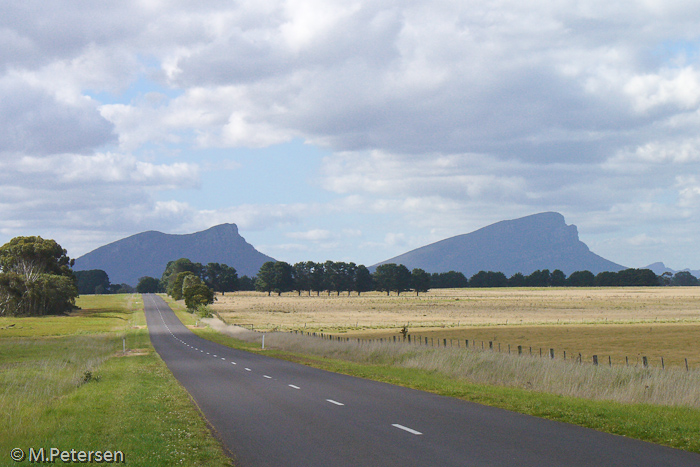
(337, 277)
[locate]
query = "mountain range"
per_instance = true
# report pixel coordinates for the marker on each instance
(147, 254)
(539, 241)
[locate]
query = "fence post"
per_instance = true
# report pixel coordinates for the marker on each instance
(662, 363)
(520, 350)
(490, 345)
(444, 342)
(627, 361)
(609, 360)
(409, 338)
(645, 362)
(595, 360)
(686, 365)
(551, 353)
(565, 355)
(466, 342)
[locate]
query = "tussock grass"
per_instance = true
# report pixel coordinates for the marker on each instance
(628, 385)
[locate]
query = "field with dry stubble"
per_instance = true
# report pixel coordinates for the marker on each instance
(609, 322)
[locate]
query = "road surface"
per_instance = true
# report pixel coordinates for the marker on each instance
(275, 413)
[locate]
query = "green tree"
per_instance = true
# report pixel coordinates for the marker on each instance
(517, 280)
(392, 277)
(420, 280)
(557, 279)
(275, 276)
(538, 278)
(173, 268)
(124, 288)
(488, 279)
(220, 277)
(581, 279)
(148, 285)
(684, 278)
(197, 294)
(178, 285)
(448, 280)
(302, 276)
(317, 277)
(247, 283)
(89, 281)
(266, 278)
(36, 278)
(363, 280)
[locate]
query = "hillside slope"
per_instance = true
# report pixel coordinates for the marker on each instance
(147, 253)
(539, 241)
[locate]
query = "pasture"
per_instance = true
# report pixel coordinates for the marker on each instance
(624, 324)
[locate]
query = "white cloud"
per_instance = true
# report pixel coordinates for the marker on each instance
(313, 235)
(439, 117)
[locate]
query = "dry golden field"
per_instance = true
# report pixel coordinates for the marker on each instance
(617, 322)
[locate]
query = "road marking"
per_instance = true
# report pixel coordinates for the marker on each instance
(248, 369)
(405, 428)
(293, 387)
(334, 402)
(233, 363)
(268, 377)
(222, 358)
(214, 356)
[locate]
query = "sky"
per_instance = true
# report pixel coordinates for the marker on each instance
(352, 130)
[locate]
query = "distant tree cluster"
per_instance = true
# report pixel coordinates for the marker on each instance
(35, 278)
(679, 279)
(338, 277)
(96, 281)
(195, 283)
(556, 278)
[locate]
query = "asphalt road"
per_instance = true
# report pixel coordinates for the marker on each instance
(270, 412)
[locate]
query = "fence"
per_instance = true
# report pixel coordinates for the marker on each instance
(473, 344)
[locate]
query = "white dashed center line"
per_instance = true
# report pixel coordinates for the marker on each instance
(248, 369)
(334, 402)
(233, 363)
(405, 428)
(268, 377)
(293, 387)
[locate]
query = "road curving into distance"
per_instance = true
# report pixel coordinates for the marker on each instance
(271, 412)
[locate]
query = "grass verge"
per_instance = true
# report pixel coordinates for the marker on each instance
(671, 426)
(65, 383)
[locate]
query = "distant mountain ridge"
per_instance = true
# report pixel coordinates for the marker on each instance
(539, 241)
(660, 268)
(147, 253)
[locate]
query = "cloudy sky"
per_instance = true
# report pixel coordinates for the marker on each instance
(352, 130)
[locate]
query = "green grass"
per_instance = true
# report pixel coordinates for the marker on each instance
(671, 426)
(65, 383)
